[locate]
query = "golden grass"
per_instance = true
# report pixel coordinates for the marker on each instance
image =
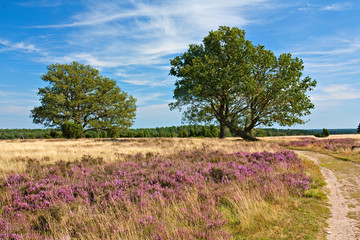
(250, 216)
(293, 138)
(343, 152)
(14, 153)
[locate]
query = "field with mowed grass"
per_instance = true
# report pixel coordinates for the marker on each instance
(158, 188)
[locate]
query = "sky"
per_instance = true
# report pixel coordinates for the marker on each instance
(131, 41)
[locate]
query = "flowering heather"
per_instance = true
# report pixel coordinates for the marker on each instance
(141, 191)
(330, 144)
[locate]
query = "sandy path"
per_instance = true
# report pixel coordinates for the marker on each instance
(343, 188)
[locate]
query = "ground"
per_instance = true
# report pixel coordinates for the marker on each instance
(343, 181)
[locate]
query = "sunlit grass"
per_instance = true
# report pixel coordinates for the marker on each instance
(342, 147)
(15, 153)
(158, 189)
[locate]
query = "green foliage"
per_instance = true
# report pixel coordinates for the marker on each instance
(213, 131)
(264, 132)
(76, 92)
(358, 128)
(195, 130)
(55, 134)
(325, 133)
(72, 129)
(240, 85)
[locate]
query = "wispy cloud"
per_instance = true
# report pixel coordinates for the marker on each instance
(144, 79)
(121, 35)
(15, 110)
(144, 99)
(146, 32)
(17, 103)
(146, 118)
(332, 58)
(336, 92)
(338, 6)
(40, 3)
(17, 46)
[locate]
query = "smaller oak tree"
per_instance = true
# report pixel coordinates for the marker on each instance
(77, 93)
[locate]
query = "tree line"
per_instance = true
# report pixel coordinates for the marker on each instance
(226, 80)
(209, 131)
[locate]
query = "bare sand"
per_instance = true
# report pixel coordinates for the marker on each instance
(343, 188)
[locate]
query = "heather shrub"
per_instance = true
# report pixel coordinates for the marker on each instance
(341, 145)
(189, 195)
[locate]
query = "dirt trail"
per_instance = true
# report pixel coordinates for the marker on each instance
(343, 182)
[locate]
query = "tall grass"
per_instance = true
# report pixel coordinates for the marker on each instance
(15, 153)
(195, 190)
(345, 148)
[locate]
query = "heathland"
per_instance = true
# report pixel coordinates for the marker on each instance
(165, 188)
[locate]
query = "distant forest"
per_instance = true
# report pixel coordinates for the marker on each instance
(179, 131)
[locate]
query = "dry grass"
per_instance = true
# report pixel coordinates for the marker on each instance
(337, 146)
(293, 138)
(15, 153)
(250, 215)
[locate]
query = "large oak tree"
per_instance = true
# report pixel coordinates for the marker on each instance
(77, 93)
(240, 85)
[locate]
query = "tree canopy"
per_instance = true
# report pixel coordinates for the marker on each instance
(240, 85)
(77, 93)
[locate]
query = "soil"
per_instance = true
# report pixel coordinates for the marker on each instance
(343, 183)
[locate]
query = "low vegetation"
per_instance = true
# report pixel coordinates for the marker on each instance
(157, 189)
(179, 131)
(324, 133)
(347, 149)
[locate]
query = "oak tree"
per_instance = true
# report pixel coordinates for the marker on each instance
(239, 85)
(77, 93)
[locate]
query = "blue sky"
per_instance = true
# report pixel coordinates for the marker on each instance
(132, 41)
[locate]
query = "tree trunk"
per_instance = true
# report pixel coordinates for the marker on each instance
(244, 134)
(247, 136)
(222, 130)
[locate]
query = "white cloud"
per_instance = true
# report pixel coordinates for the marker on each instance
(144, 79)
(336, 92)
(140, 82)
(157, 115)
(331, 7)
(123, 35)
(143, 99)
(337, 6)
(15, 110)
(41, 3)
(113, 34)
(332, 59)
(17, 46)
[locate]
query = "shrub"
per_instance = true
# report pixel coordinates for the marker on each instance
(55, 134)
(72, 129)
(325, 133)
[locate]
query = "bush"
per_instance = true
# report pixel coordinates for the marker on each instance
(72, 129)
(214, 131)
(55, 134)
(325, 133)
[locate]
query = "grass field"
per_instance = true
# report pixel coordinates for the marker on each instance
(158, 189)
(342, 147)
